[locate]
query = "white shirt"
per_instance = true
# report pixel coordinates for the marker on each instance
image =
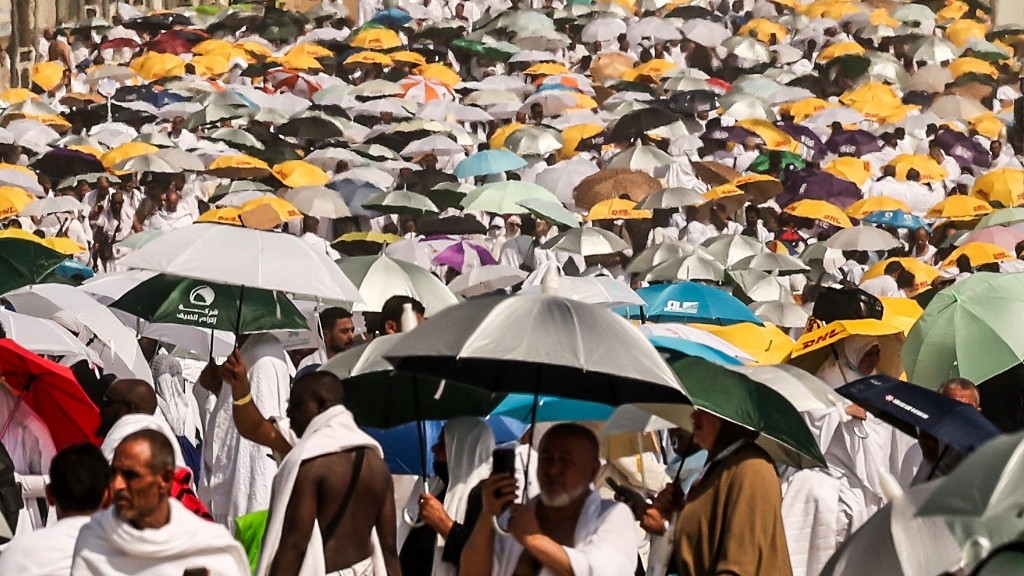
(45, 552)
(882, 286)
(320, 245)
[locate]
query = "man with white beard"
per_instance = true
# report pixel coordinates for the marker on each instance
(568, 529)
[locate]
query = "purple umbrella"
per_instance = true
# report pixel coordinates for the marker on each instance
(853, 143)
(967, 152)
(463, 255)
(815, 184)
(805, 136)
(715, 131)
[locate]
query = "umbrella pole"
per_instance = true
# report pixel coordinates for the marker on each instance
(17, 404)
(529, 454)
(420, 431)
(213, 333)
(238, 318)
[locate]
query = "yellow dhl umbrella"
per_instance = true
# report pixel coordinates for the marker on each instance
(369, 57)
(1003, 185)
(374, 237)
(764, 30)
(819, 210)
(63, 244)
(502, 133)
(295, 173)
(953, 11)
(815, 346)
(226, 215)
(862, 208)
(156, 65)
(254, 51)
(840, 49)
(267, 212)
(970, 65)
(901, 312)
(90, 150)
(832, 9)
(873, 99)
(774, 138)
(959, 208)
(219, 47)
(881, 17)
(653, 69)
(409, 57)
(297, 61)
(924, 274)
(926, 167)
(438, 73)
(210, 65)
(13, 200)
(617, 209)
(124, 152)
(19, 234)
(377, 39)
(48, 75)
(573, 135)
(978, 253)
(547, 69)
(808, 107)
(765, 344)
(239, 166)
(17, 95)
(988, 125)
(850, 168)
(961, 32)
(311, 50)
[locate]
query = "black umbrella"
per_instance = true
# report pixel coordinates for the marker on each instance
(454, 225)
(967, 152)
(919, 98)
(693, 13)
(805, 136)
(159, 21)
(815, 184)
(693, 101)
(280, 24)
(634, 124)
(63, 162)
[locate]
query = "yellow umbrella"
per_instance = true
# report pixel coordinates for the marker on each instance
(239, 166)
(267, 212)
(13, 200)
(862, 208)
(617, 209)
(953, 11)
(765, 344)
(375, 237)
(611, 66)
(806, 108)
(210, 65)
(48, 75)
(978, 253)
(819, 210)
(18, 167)
(376, 39)
(924, 274)
(156, 65)
(926, 166)
(58, 123)
(988, 125)
(764, 29)
(226, 215)
(583, 102)
(840, 49)
(124, 152)
(573, 135)
(295, 173)
(881, 17)
(439, 73)
(64, 245)
(850, 168)
(963, 30)
(219, 47)
(774, 137)
(1003, 185)
(959, 208)
(815, 346)
(409, 57)
(901, 312)
(970, 65)
(18, 95)
(369, 57)
(501, 133)
(547, 69)
(874, 99)
(298, 61)
(254, 51)
(832, 9)
(311, 50)
(653, 69)
(20, 234)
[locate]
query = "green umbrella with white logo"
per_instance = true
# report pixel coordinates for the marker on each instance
(173, 300)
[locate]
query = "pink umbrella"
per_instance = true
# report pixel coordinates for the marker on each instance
(464, 255)
(1007, 238)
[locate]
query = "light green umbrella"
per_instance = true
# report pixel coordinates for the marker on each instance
(641, 157)
(969, 330)
(167, 299)
(401, 202)
(553, 212)
(140, 239)
(379, 278)
(1002, 217)
(504, 197)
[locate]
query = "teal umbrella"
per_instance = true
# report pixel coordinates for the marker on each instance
(24, 262)
(171, 300)
(551, 409)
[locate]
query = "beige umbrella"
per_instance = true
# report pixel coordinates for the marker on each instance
(956, 108)
(612, 182)
(611, 66)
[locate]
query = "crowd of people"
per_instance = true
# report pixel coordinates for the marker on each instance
(816, 198)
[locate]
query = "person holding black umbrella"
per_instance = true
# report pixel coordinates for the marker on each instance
(937, 460)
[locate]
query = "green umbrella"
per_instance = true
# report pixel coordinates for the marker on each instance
(853, 65)
(761, 163)
(742, 399)
(1003, 217)
(447, 195)
(969, 330)
(401, 202)
(490, 51)
(369, 378)
(172, 300)
(504, 197)
(24, 262)
(553, 212)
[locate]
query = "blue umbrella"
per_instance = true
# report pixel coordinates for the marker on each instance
(911, 408)
(555, 86)
(506, 429)
(689, 348)
(71, 269)
(392, 18)
(489, 162)
(896, 219)
(401, 447)
(551, 409)
(355, 193)
(694, 303)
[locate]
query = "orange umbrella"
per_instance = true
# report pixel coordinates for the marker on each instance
(804, 109)
(978, 253)
(295, 173)
(959, 208)
(819, 210)
(547, 69)
(971, 65)
(48, 75)
(439, 73)
(376, 39)
(850, 168)
(840, 49)
(617, 209)
(862, 208)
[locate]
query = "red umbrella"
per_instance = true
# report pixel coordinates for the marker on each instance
(52, 391)
(118, 43)
(176, 41)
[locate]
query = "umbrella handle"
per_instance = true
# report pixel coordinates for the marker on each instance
(407, 517)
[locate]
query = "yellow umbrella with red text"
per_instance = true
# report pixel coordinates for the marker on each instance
(959, 208)
(815, 346)
(850, 168)
(1003, 185)
(819, 210)
(924, 274)
(862, 208)
(978, 253)
(13, 200)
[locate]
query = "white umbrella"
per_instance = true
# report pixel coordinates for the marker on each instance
(20, 179)
(318, 201)
(44, 336)
(696, 335)
(772, 262)
(553, 102)
(561, 178)
(445, 110)
(493, 98)
(328, 158)
(600, 290)
(661, 253)
(641, 157)
(413, 251)
(147, 163)
(760, 286)
(396, 106)
(381, 277)
(114, 342)
(865, 238)
(180, 159)
(436, 144)
(748, 48)
(604, 29)
(781, 313)
(533, 56)
(587, 242)
(245, 257)
(486, 279)
(534, 141)
(731, 248)
(53, 205)
(241, 197)
(654, 28)
(692, 267)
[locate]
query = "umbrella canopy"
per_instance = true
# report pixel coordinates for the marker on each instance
(781, 313)
(565, 348)
(504, 197)
(486, 279)
(587, 242)
(400, 202)
(43, 336)
(380, 277)
(863, 238)
(464, 255)
(815, 346)
(820, 210)
(25, 262)
(52, 392)
(692, 302)
(489, 162)
(318, 201)
(600, 290)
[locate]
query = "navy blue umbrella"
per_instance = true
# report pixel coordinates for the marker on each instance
(913, 408)
(853, 143)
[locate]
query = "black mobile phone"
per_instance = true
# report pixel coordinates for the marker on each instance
(631, 497)
(503, 461)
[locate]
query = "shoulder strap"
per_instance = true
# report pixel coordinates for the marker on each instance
(357, 468)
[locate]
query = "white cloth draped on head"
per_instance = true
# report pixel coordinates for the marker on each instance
(112, 547)
(132, 423)
(468, 444)
(330, 432)
(850, 350)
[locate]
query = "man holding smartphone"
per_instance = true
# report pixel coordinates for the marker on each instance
(569, 529)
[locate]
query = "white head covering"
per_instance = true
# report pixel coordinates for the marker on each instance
(851, 351)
